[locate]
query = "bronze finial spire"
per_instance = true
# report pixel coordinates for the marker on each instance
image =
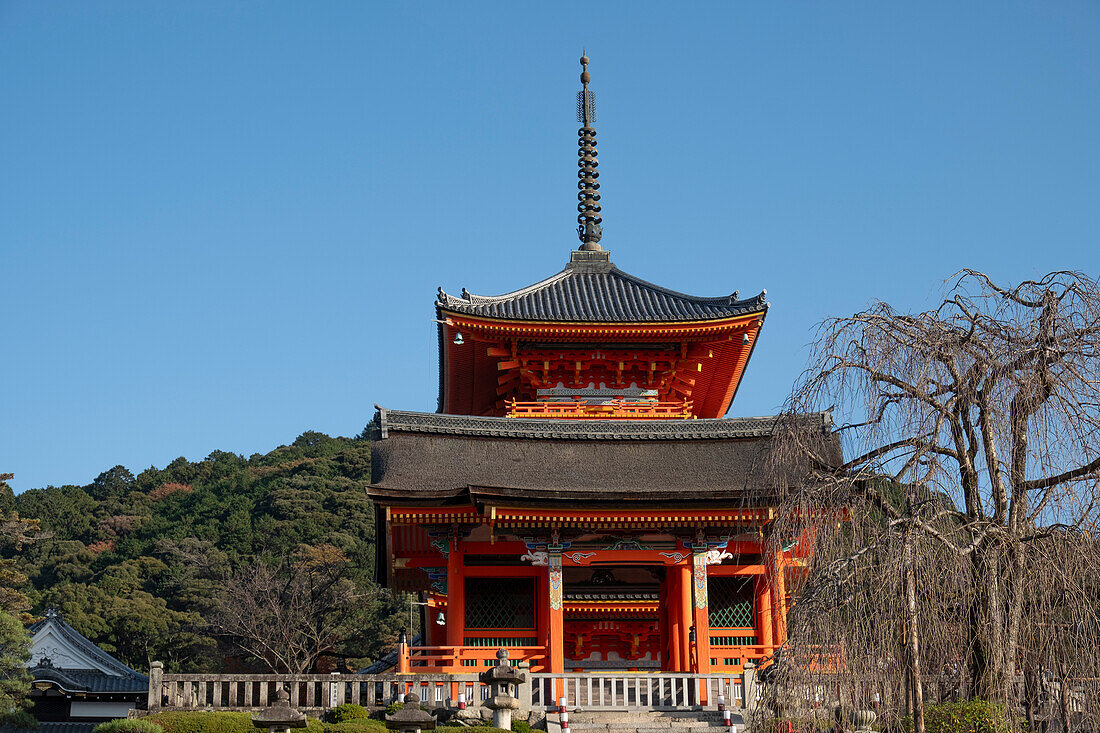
(589, 219)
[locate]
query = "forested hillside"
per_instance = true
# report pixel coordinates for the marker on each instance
(164, 564)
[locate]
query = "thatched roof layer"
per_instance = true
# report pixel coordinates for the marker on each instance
(435, 459)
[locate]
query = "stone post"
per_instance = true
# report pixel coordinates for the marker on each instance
(156, 683)
(750, 702)
(524, 692)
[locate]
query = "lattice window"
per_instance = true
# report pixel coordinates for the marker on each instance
(730, 601)
(498, 641)
(500, 603)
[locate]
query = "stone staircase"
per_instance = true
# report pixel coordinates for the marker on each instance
(646, 721)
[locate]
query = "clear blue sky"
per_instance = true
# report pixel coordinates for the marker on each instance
(223, 223)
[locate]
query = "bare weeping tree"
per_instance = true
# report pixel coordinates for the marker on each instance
(956, 539)
(288, 615)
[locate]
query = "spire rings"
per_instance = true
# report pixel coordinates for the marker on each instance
(588, 185)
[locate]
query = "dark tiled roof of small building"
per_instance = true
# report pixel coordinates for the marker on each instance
(596, 291)
(90, 680)
(52, 727)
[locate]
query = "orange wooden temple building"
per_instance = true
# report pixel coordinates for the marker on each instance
(579, 497)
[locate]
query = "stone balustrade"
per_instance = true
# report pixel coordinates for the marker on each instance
(313, 693)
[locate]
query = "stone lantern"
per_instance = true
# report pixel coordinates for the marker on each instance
(500, 679)
(280, 717)
(410, 717)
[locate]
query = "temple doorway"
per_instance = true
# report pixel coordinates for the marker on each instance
(612, 618)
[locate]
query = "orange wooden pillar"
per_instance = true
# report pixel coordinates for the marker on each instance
(675, 627)
(663, 622)
(764, 612)
(555, 642)
(456, 597)
(701, 612)
(686, 617)
(779, 599)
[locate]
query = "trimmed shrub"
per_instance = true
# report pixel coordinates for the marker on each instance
(209, 722)
(971, 716)
(125, 725)
(348, 711)
(356, 725)
(521, 726)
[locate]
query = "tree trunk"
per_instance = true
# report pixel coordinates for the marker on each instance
(1065, 697)
(1031, 695)
(912, 630)
(987, 625)
(1015, 603)
(907, 688)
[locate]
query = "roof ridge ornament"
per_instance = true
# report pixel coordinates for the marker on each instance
(588, 220)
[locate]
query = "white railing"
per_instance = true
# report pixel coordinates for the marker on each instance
(311, 692)
(316, 693)
(615, 691)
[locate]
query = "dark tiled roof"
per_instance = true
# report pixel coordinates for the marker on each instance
(65, 727)
(387, 421)
(90, 680)
(446, 459)
(598, 292)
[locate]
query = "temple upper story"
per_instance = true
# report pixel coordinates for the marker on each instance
(591, 342)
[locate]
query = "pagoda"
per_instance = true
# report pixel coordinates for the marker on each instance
(579, 497)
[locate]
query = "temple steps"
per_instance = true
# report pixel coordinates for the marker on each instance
(645, 721)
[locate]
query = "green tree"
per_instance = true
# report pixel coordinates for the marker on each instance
(137, 563)
(15, 650)
(113, 483)
(15, 533)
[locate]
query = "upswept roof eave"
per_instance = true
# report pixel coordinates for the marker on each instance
(647, 301)
(472, 299)
(90, 681)
(59, 678)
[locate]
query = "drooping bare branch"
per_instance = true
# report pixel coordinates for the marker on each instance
(971, 443)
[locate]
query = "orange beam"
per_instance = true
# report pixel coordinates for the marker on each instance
(506, 516)
(432, 515)
(500, 328)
